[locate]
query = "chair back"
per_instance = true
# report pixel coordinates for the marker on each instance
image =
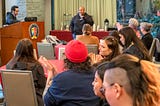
(92, 48)
(46, 50)
(152, 48)
(18, 88)
(157, 45)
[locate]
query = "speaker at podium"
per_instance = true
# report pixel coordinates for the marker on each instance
(10, 35)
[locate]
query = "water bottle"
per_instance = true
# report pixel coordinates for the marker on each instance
(106, 26)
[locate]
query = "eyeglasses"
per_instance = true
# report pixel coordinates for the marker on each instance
(102, 89)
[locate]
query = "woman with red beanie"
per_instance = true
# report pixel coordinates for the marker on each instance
(73, 87)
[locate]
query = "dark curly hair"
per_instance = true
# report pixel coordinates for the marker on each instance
(79, 67)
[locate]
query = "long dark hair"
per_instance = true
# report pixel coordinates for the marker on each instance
(130, 37)
(23, 53)
(101, 68)
(115, 33)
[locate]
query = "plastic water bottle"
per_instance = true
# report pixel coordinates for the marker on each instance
(94, 27)
(98, 27)
(106, 27)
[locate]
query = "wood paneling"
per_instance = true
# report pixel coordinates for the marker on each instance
(10, 35)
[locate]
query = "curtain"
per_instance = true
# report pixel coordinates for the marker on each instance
(99, 9)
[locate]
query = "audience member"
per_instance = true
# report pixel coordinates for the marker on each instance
(115, 34)
(129, 81)
(133, 23)
(79, 20)
(132, 44)
(11, 16)
(98, 81)
(74, 86)
(146, 37)
(87, 37)
(24, 60)
(108, 49)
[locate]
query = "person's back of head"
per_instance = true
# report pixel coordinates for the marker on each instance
(115, 34)
(146, 26)
(24, 48)
(140, 79)
(86, 29)
(77, 56)
(133, 23)
(23, 53)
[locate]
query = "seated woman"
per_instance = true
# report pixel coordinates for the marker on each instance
(87, 37)
(132, 44)
(98, 82)
(24, 60)
(133, 23)
(129, 81)
(108, 49)
(146, 37)
(115, 34)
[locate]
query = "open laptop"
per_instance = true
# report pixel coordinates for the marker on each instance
(29, 19)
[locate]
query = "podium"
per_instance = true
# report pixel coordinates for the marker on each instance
(10, 35)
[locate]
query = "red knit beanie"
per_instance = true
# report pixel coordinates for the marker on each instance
(76, 51)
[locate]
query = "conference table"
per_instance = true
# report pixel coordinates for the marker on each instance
(67, 35)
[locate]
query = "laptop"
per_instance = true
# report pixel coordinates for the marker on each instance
(29, 19)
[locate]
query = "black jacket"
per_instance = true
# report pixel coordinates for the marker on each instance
(147, 40)
(77, 23)
(10, 18)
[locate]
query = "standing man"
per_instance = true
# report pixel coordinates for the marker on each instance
(79, 20)
(11, 16)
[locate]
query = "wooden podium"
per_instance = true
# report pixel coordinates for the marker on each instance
(10, 35)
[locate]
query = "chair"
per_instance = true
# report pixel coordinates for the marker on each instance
(153, 47)
(18, 88)
(46, 50)
(157, 45)
(92, 48)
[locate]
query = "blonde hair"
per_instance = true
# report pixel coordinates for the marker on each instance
(146, 26)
